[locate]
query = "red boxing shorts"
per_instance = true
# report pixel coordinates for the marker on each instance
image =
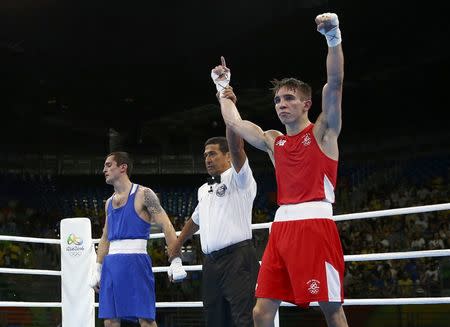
(303, 261)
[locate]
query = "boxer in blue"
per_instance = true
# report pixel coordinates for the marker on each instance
(123, 274)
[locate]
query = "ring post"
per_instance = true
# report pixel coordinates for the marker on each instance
(77, 260)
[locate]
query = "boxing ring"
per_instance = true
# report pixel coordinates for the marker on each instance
(197, 304)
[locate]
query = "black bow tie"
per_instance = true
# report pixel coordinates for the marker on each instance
(213, 179)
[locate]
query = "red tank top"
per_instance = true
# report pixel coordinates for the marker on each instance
(304, 173)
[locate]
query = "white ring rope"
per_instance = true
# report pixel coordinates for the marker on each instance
(351, 216)
(397, 255)
(387, 301)
(30, 239)
(357, 257)
(30, 271)
(359, 215)
(199, 304)
(349, 258)
(392, 212)
(31, 304)
(375, 214)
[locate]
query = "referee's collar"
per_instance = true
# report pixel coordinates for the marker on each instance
(213, 179)
(210, 180)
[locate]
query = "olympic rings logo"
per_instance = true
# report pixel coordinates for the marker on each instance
(313, 286)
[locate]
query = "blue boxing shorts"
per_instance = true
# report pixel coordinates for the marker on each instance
(127, 287)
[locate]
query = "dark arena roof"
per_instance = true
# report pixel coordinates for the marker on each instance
(72, 72)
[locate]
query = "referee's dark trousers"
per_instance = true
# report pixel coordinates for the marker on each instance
(229, 280)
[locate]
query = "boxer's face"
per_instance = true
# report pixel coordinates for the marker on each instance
(112, 171)
(290, 105)
(216, 161)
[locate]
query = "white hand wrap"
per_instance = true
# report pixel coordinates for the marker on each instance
(221, 81)
(95, 275)
(331, 30)
(176, 270)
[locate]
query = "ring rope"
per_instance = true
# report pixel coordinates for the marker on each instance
(199, 304)
(29, 239)
(30, 271)
(351, 216)
(347, 258)
(360, 215)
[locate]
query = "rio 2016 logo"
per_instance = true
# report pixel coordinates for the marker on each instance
(73, 239)
(74, 245)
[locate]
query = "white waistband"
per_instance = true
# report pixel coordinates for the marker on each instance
(306, 210)
(128, 246)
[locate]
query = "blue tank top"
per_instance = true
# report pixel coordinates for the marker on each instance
(124, 222)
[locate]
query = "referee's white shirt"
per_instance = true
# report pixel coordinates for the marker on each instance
(224, 211)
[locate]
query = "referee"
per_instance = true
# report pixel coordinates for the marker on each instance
(224, 216)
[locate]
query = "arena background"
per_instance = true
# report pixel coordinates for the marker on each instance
(79, 79)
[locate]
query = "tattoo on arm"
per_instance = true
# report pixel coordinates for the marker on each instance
(151, 201)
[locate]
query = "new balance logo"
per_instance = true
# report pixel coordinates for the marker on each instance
(280, 142)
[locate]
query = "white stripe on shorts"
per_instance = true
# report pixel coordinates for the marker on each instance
(333, 283)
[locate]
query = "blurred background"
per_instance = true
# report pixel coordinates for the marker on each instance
(81, 79)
